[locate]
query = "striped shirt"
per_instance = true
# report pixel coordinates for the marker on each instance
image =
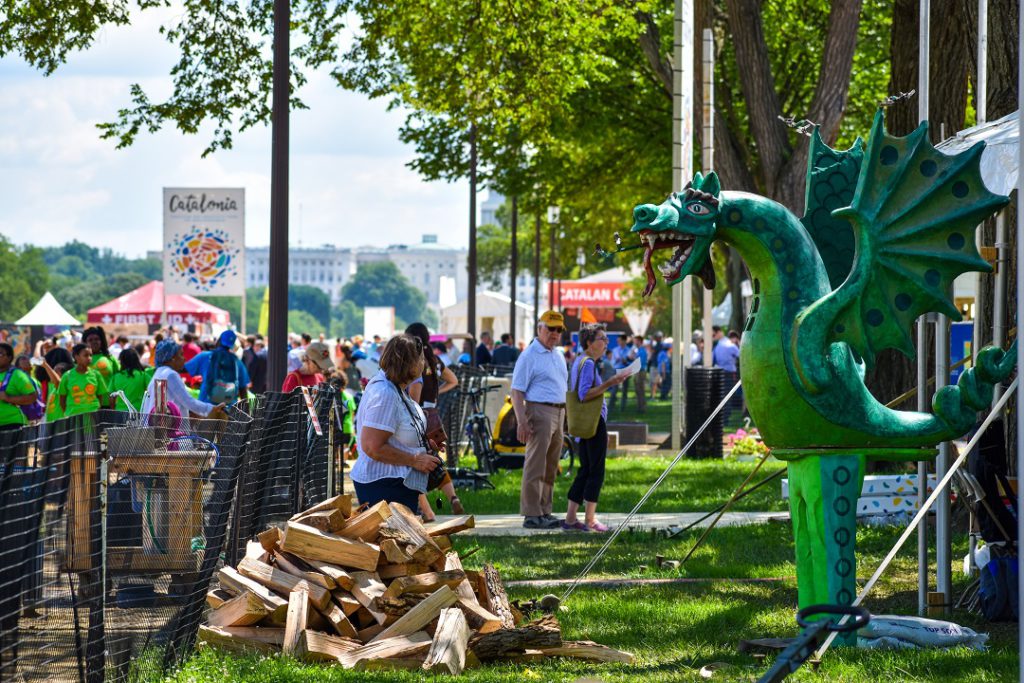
(381, 408)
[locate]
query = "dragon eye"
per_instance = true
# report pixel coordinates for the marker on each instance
(698, 209)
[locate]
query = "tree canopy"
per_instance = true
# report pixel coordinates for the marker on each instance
(382, 284)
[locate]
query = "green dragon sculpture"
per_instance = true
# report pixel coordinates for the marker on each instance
(887, 228)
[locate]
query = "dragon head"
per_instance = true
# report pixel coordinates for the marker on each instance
(685, 223)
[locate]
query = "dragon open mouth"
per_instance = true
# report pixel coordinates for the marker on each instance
(673, 268)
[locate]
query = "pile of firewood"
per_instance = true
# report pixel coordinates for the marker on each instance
(376, 590)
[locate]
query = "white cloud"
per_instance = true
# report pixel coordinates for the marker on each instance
(349, 183)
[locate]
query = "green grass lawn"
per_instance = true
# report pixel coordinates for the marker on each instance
(693, 486)
(676, 629)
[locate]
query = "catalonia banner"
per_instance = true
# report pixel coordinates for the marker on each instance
(204, 241)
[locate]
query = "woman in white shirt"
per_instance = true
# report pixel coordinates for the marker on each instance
(170, 362)
(394, 456)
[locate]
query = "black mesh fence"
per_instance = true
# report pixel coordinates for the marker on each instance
(457, 405)
(113, 525)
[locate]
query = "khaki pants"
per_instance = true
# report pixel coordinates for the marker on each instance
(541, 465)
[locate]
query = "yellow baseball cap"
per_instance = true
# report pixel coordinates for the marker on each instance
(553, 319)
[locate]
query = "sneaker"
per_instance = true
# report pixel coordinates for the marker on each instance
(575, 526)
(534, 523)
(550, 522)
(597, 526)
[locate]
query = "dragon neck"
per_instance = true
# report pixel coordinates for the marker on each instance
(781, 256)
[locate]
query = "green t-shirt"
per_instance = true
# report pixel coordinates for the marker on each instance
(134, 386)
(53, 411)
(20, 385)
(108, 367)
(83, 390)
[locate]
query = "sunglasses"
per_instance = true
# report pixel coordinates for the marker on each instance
(555, 329)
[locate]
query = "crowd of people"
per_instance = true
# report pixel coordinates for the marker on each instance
(388, 391)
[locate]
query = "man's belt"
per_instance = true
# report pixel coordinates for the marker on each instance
(544, 403)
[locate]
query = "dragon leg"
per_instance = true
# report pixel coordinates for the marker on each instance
(823, 506)
(958, 406)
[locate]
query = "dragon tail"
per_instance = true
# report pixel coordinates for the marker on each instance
(958, 405)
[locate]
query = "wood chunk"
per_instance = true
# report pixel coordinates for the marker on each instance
(540, 633)
(367, 589)
(498, 600)
(370, 632)
(366, 525)
(235, 583)
(443, 542)
(393, 571)
(290, 564)
(341, 502)
(452, 526)
(464, 589)
(242, 638)
(399, 647)
(393, 552)
(346, 601)
(243, 610)
(422, 546)
(589, 651)
(479, 619)
(396, 607)
(448, 651)
(425, 583)
(282, 582)
(298, 616)
(270, 539)
(420, 615)
(311, 544)
(326, 520)
(340, 577)
(313, 646)
(338, 621)
(256, 551)
(215, 597)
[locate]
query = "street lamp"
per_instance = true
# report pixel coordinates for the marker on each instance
(554, 301)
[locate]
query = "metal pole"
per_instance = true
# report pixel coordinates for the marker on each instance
(943, 546)
(999, 294)
(981, 107)
(553, 295)
(922, 328)
(682, 171)
(471, 295)
(277, 328)
(536, 271)
(708, 162)
(1020, 317)
(514, 269)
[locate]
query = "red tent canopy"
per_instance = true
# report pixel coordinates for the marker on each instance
(145, 304)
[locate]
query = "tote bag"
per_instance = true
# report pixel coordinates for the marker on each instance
(582, 416)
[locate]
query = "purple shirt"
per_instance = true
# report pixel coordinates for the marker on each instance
(588, 381)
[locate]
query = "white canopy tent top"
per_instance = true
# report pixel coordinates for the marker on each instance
(47, 312)
(491, 316)
(999, 160)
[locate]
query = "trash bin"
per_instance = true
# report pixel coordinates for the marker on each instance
(704, 387)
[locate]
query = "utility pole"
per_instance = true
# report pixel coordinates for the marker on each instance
(471, 300)
(514, 269)
(277, 329)
(536, 271)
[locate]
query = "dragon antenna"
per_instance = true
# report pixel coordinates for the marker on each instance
(898, 97)
(803, 126)
(618, 240)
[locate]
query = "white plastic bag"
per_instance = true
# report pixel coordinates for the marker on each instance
(923, 632)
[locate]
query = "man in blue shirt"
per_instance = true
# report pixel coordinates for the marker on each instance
(210, 365)
(726, 355)
(622, 355)
(539, 383)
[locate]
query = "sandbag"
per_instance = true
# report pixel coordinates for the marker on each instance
(923, 632)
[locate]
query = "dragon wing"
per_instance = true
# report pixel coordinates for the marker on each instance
(831, 180)
(913, 214)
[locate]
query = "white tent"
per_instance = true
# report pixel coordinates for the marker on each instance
(47, 312)
(999, 160)
(491, 315)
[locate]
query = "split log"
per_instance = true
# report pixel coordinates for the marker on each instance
(448, 651)
(366, 590)
(270, 539)
(331, 521)
(256, 551)
(422, 547)
(452, 526)
(370, 632)
(312, 544)
(420, 615)
(398, 647)
(313, 646)
(452, 561)
(216, 597)
(479, 619)
(346, 601)
(425, 583)
(443, 542)
(298, 616)
(281, 582)
(393, 571)
(589, 651)
(243, 638)
(338, 621)
(341, 502)
(290, 564)
(236, 584)
(243, 610)
(366, 525)
(497, 597)
(340, 577)
(396, 607)
(538, 634)
(393, 552)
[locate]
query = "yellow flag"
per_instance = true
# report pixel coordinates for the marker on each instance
(264, 313)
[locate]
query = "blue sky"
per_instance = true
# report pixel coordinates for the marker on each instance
(59, 181)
